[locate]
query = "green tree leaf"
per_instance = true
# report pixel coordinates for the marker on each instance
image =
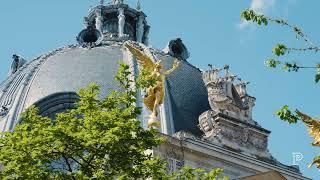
(98, 139)
(272, 63)
(279, 49)
(286, 114)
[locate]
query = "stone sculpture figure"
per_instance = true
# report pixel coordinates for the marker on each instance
(243, 87)
(155, 94)
(122, 20)
(17, 62)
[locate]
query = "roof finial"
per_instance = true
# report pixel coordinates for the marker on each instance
(138, 5)
(115, 2)
(226, 69)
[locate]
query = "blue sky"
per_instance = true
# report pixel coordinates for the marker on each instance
(213, 34)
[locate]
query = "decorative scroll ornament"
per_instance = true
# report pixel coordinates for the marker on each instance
(3, 111)
(156, 73)
(208, 125)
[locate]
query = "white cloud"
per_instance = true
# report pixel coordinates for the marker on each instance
(260, 6)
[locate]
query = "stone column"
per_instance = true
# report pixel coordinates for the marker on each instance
(99, 20)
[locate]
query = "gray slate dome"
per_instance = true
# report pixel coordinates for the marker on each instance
(188, 96)
(75, 68)
(52, 80)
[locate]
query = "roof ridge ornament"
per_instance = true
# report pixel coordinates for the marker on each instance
(138, 5)
(17, 62)
(115, 2)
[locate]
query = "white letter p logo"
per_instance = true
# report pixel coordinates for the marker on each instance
(296, 158)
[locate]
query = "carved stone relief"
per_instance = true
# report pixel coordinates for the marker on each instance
(233, 133)
(208, 125)
(175, 161)
(182, 135)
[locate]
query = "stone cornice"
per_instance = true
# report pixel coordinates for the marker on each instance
(197, 146)
(242, 122)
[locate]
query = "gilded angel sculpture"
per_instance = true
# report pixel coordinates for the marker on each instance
(154, 94)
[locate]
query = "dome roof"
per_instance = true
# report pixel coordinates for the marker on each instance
(68, 69)
(63, 70)
(72, 69)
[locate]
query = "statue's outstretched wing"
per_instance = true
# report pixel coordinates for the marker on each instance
(143, 60)
(313, 125)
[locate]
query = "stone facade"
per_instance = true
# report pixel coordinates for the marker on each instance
(183, 149)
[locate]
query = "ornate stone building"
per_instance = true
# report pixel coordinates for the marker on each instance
(206, 115)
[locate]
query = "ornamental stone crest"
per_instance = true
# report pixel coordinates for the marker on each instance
(229, 121)
(226, 96)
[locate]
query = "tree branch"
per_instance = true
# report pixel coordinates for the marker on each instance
(315, 49)
(297, 30)
(68, 164)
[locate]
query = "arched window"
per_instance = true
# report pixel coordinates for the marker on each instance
(56, 103)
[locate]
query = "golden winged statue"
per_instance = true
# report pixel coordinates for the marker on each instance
(154, 94)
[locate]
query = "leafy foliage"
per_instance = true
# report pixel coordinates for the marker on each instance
(281, 49)
(145, 80)
(250, 15)
(272, 63)
(99, 139)
(285, 113)
(188, 173)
